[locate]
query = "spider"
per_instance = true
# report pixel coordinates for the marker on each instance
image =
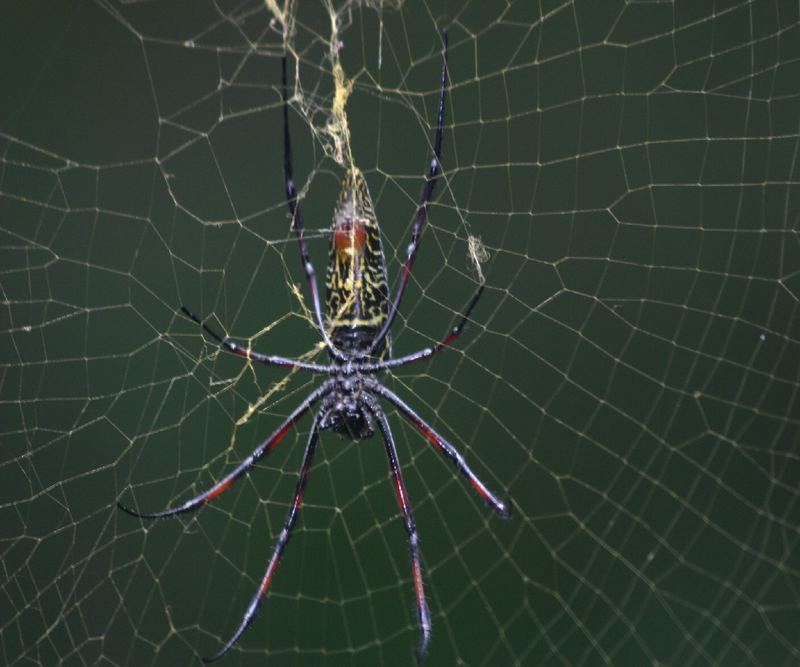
(360, 317)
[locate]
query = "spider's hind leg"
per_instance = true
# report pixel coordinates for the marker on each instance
(425, 197)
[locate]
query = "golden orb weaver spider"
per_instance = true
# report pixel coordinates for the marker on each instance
(360, 318)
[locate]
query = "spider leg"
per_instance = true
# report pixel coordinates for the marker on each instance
(423, 613)
(428, 352)
(266, 359)
(422, 207)
(502, 509)
(226, 482)
(283, 539)
(293, 203)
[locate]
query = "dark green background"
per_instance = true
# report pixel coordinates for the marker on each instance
(630, 377)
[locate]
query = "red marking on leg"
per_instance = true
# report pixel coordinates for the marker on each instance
(450, 338)
(268, 576)
(430, 435)
(483, 492)
(280, 435)
(300, 496)
(402, 500)
(223, 486)
(418, 588)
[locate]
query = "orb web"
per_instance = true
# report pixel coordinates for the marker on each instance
(624, 177)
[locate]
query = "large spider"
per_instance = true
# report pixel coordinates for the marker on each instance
(360, 317)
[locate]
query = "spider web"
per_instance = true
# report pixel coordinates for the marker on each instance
(630, 377)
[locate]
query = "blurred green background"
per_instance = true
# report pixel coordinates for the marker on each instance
(630, 379)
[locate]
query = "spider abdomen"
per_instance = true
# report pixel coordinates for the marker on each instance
(357, 285)
(356, 339)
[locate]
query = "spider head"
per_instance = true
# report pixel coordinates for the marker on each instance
(349, 419)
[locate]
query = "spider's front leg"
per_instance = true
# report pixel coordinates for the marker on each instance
(283, 539)
(500, 507)
(260, 452)
(423, 613)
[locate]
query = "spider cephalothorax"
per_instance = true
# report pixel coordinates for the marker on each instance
(347, 415)
(359, 319)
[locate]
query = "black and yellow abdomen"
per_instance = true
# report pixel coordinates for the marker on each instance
(358, 291)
